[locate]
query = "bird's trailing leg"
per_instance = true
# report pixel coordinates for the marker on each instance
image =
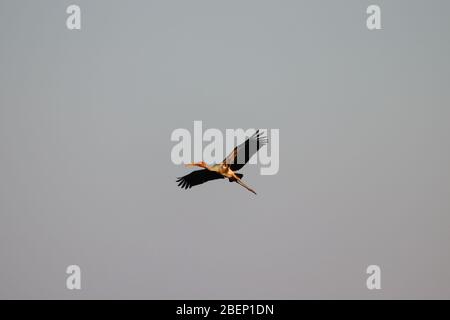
(239, 181)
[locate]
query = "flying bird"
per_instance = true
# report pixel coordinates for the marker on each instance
(227, 168)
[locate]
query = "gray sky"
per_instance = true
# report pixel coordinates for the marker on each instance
(85, 170)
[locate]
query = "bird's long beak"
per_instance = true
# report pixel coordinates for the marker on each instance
(196, 164)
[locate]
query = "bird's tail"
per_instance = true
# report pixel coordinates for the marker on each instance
(239, 181)
(239, 175)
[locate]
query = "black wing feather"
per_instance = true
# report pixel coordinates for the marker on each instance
(197, 177)
(243, 152)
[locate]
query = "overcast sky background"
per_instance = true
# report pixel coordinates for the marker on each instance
(85, 170)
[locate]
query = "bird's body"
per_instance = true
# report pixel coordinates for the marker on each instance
(228, 167)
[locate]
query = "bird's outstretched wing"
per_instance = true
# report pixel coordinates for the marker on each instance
(197, 177)
(243, 152)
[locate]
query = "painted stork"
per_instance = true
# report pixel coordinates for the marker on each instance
(228, 167)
